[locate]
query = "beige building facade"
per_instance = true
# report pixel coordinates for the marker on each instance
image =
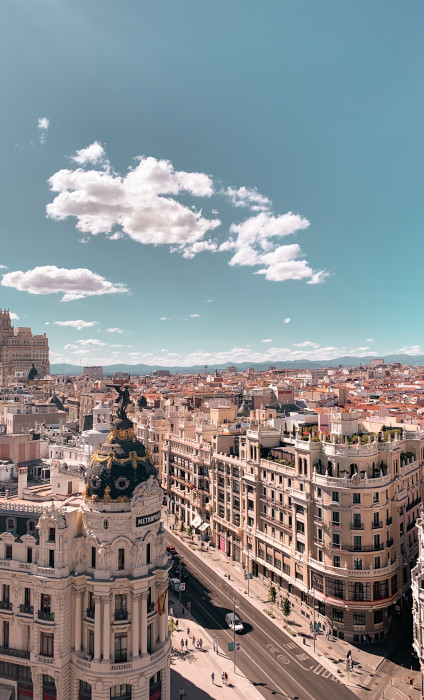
(20, 351)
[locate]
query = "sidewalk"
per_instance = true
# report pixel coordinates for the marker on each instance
(191, 669)
(367, 680)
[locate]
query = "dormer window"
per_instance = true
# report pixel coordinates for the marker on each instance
(31, 526)
(10, 524)
(52, 534)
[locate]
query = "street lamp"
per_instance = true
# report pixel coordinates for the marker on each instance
(313, 615)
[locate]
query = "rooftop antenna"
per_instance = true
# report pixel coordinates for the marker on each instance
(206, 368)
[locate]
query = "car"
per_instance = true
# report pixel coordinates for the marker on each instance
(174, 584)
(171, 549)
(183, 573)
(234, 623)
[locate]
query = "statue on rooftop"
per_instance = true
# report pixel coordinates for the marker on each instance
(123, 400)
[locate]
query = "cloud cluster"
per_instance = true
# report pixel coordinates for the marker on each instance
(77, 325)
(115, 330)
(43, 125)
(74, 283)
(143, 205)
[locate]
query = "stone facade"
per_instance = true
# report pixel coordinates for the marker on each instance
(20, 350)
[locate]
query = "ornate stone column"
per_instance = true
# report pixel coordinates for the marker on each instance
(78, 620)
(37, 684)
(144, 624)
(162, 622)
(97, 628)
(135, 627)
(106, 628)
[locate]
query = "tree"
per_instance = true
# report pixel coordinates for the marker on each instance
(286, 607)
(172, 626)
(189, 531)
(272, 594)
(175, 519)
(182, 528)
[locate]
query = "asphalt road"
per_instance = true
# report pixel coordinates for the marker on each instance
(270, 658)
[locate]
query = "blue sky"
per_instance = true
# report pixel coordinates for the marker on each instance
(221, 181)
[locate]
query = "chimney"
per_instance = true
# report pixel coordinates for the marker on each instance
(22, 481)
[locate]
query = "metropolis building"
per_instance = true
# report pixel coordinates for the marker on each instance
(83, 582)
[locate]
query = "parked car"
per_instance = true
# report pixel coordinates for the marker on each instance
(234, 623)
(174, 584)
(183, 573)
(171, 549)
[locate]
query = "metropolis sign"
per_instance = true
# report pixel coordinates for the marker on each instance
(147, 519)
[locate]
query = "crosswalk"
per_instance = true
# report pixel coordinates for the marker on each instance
(320, 671)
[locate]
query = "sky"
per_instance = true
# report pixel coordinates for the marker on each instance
(200, 183)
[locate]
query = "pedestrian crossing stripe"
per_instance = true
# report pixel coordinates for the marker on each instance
(321, 671)
(290, 645)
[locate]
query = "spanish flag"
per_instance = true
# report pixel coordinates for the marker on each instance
(161, 602)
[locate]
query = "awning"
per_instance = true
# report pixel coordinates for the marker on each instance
(196, 522)
(204, 527)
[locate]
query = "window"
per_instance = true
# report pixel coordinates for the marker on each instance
(105, 524)
(6, 634)
(336, 517)
(380, 589)
(300, 527)
(335, 588)
(93, 557)
(300, 547)
(52, 534)
(120, 691)
(51, 558)
(6, 593)
(357, 521)
(121, 559)
(320, 555)
(29, 555)
(357, 564)
(319, 534)
(90, 643)
(27, 596)
(376, 497)
(155, 685)
(393, 584)
(120, 647)
(31, 526)
(148, 554)
(400, 530)
(121, 611)
(335, 497)
(359, 618)
(359, 591)
(356, 498)
(10, 524)
(376, 562)
(84, 691)
(378, 617)
(336, 541)
(336, 561)
(46, 644)
(45, 602)
(319, 512)
(8, 551)
(357, 543)
(337, 615)
(377, 544)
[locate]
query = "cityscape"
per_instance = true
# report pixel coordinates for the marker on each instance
(211, 366)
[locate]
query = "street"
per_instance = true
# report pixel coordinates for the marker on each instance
(270, 658)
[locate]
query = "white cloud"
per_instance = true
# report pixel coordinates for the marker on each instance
(306, 344)
(190, 251)
(94, 153)
(266, 340)
(164, 318)
(115, 330)
(246, 197)
(3, 267)
(90, 341)
(369, 340)
(140, 203)
(163, 350)
(78, 325)
(76, 283)
(287, 320)
(254, 242)
(13, 316)
(411, 350)
(43, 125)
(209, 301)
(194, 315)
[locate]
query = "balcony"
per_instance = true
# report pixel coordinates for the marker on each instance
(413, 504)
(377, 524)
(18, 653)
(26, 609)
(90, 613)
(363, 547)
(121, 657)
(121, 615)
(389, 521)
(389, 542)
(5, 605)
(410, 526)
(357, 526)
(46, 615)
(335, 523)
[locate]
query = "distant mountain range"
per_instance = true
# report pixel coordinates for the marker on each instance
(346, 361)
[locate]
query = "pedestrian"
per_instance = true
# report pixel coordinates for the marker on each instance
(213, 677)
(311, 628)
(226, 677)
(223, 677)
(188, 631)
(186, 644)
(216, 645)
(213, 642)
(171, 611)
(201, 643)
(182, 644)
(181, 693)
(176, 623)
(193, 640)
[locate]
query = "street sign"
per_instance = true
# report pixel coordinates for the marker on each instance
(230, 646)
(182, 586)
(238, 646)
(317, 627)
(250, 576)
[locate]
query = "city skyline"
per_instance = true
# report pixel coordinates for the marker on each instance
(232, 191)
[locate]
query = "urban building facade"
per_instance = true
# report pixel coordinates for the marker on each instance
(21, 352)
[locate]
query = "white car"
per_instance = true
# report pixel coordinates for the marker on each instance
(234, 623)
(174, 584)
